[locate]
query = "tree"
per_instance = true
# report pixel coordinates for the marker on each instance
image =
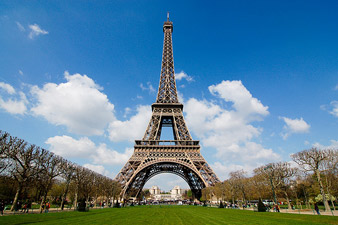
(238, 181)
(116, 190)
(189, 194)
(232, 189)
(32, 171)
(303, 187)
(56, 191)
(285, 173)
(78, 174)
(331, 175)
(24, 163)
(280, 177)
(144, 194)
(206, 194)
(269, 174)
(98, 188)
(107, 188)
(313, 160)
(4, 145)
(51, 167)
(259, 186)
(220, 191)
(67, 173)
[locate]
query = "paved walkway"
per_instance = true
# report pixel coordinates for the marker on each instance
(304, 211)
(35, 211)
(310, 212)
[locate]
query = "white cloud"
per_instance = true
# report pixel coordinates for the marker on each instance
(21, 28)
(333, 145)
(106, 156)
(126, 112)
(336, 88)
(13, 104)
(7, 87)
(35, 31)
(78, 104)
(69, 147)
(131, 129)
(249, 152)
(182, 75)
(243, 102)
(84, 148)
(180, 97)
(293, 126)
(20, 72)
(334, 110)
(222, 170)
(149, 87)
(98, 169)
(229, 130)
(323, 107)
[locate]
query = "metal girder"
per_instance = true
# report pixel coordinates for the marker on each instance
(167, 92)
(161, 114)
(149, 160)
(153, 156)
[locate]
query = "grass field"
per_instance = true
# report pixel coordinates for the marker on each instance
(167, 215)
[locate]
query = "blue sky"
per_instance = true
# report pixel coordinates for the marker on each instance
(258, 79)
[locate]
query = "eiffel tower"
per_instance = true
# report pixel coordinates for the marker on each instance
(153, 156)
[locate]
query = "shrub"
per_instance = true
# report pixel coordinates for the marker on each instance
(261, 206)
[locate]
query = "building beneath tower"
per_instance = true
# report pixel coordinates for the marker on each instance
(174, 194)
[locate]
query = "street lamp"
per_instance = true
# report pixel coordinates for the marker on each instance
(270, 176)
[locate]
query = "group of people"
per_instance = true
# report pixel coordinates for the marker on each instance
(276, 208)
(45, 207)
(26, 207)
(22, 207)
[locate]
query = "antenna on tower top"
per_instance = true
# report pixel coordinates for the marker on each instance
(168, 16)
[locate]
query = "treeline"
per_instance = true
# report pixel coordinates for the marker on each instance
(29, 173)
(313, 178)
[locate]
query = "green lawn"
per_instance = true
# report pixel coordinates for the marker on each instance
(167, 215)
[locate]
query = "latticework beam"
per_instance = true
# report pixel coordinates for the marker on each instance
(153, 156)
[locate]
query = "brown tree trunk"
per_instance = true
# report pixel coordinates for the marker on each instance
(326, 203)
(42, 203)
(287, 199)
(330, 196)
(244, 197)
(15, 201)
(95, 201)
(75, 201)
(306, 200)
(87, 201)
(44, 197)
(64, 196)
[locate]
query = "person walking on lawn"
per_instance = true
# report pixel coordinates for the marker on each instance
(317, 209)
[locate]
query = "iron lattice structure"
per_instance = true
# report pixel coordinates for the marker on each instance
(153, 156)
